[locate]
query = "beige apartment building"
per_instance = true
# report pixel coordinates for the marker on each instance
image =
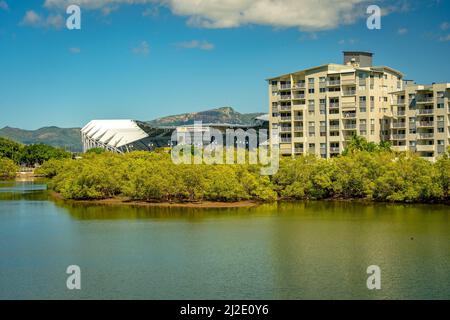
(317, 110)
(420, 119)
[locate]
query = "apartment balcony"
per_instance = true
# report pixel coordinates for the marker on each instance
(400, 101)
(400, 113)
(424, 100)
(350, 126)
(286, 140)
(399, 137)
(441, 124)
(334, 105)
(425, 124)
(348, 81)
(285, 86)
(285, 129)
(349, 115)
(275, 109)
(285, 97)
(299, 85)
(426, 135)
(284, 119)
(285, 108)
(334, 127)
(298, 150)
(347, 93)
(298, 118)
(441, 149)
(334, 150)
(399, 125)
(425, 147)
(334, 83)
(299, 96)
(399, 148)
(425, 111)
(298, 128)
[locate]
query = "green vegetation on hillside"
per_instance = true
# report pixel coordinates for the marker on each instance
(372, 173)
(66, 138)
(219, 115)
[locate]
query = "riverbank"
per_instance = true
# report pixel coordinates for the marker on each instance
(122, 201)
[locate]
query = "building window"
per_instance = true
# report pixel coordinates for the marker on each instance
(311, 91)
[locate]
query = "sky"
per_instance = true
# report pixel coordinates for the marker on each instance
(143, 59)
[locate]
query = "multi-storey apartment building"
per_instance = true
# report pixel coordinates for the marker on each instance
(420, 119)
(317, 110)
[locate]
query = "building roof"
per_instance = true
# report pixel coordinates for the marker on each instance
(114, 133)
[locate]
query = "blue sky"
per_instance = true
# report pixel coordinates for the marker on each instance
(149, 58)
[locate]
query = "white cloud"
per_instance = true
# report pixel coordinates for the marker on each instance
(151, 12)
(348, 41)
(4, 5)
(445, 25)
(402, 31)
(34, 19)
(195, 44)
(304, 14)
(142, 49)
(74, 50)
(31, 18)
(445, 38)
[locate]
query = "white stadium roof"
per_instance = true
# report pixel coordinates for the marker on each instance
(114, 133)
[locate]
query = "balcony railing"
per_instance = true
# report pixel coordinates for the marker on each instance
(399, 125)
(351, 126)
(349, 115)
(426, 135)
(285, 108)
(285, 129)
(334, 149)
(299, 96)
(286, 140)
(399, 136)
(401, 113)
(334, 127)
(300, 85)
(334, 105)
(285, 118)
(425, 124)
(334, 82)
(285, 97)
(426, 111)
(298, 150)
(285, 86)
(298, 128)
(298, 118)
(349, 92)
(424, 99)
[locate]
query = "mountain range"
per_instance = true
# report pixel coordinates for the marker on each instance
(69, 138)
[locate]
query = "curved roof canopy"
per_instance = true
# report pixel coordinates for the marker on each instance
(115, 133)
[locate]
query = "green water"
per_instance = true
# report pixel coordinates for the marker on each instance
(314, 250)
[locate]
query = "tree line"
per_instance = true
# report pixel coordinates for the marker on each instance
(364, 171)
(13, 155)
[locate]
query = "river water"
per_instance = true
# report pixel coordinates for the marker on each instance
(302, 250)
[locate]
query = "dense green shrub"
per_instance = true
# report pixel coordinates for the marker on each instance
(364, 172)
(8, 169)
(30, 155)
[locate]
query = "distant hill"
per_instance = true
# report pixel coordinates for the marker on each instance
(68, 139)
(219, 115)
